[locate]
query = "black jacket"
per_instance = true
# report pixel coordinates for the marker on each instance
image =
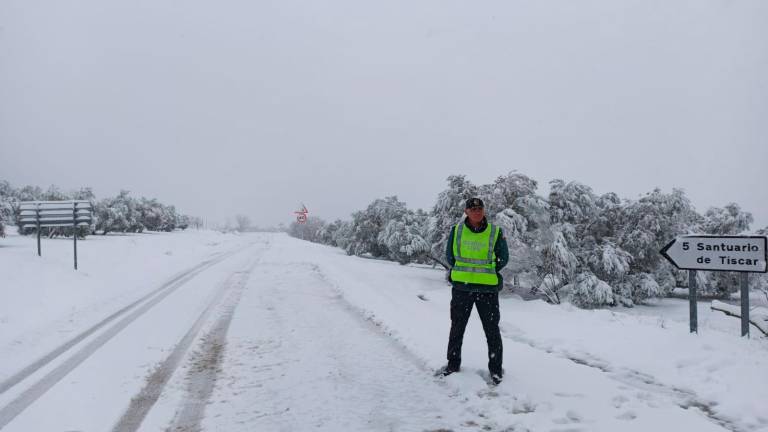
(502, 258)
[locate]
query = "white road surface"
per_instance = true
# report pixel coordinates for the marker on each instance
(275, 334)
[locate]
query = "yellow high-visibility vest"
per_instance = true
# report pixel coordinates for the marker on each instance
(475, 258)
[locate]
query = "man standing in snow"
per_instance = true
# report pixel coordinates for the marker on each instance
(476, 252)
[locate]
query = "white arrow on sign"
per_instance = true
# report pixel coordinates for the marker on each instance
(718, 253)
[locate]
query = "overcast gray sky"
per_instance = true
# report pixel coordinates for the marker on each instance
(226, 107)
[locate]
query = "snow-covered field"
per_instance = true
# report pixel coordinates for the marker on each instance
(262, 332)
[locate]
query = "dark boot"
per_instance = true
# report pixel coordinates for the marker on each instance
(447, 370)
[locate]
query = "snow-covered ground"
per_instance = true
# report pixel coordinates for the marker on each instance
(262, 332)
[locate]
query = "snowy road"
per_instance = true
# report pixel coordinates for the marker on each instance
(301, 358)
(86, 382)
(276, 334)
(307, 353)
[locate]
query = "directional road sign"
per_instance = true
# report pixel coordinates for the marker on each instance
(718, 253)
(39, 214)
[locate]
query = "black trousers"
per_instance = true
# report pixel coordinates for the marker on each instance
(488, 308)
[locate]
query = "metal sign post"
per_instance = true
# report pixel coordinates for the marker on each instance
(693, 301)
(744, 254)
(745, 304)
(74, 232)
(37, 219)
(39, 214)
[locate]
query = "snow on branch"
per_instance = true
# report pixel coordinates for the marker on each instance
(758, 316)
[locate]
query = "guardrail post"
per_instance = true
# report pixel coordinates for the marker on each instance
(37, 216)
(74, 229)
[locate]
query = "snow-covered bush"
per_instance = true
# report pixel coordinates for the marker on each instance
(513, 225)
(118, 214)
(183, 221)
(651, 222)
(558, 260)
(636, 288)
(6, 206)
(343, 236)
(587, 291)
(605, 250)
(369, 223)
(327, 233)
(730, 220)
(122, 213)
(404, 238)
(548, 287)
(155, 216)
(610, 262)
(310, 230)
(571, 202)
(505, 192)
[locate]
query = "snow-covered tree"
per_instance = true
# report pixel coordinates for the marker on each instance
(404, 237)
(29, 193)
(309, 230)
(343, 236)
(636, 288)
(609, 262)
(368, 224)
(606, 222)
(535, 209)
(183, 221)
(730, 220)
(505, 192)
(513, 224)
(511, 202)
(156, 216)
(559, 264)
(448, 211)
(587, 291)
(571, 202)
(7, 200)
(653, 221)
(53, 193)
(243, 222)
(328, 232)
(118, 214)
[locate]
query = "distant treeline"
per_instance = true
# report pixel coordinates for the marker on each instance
(121, 213)
(573, 244)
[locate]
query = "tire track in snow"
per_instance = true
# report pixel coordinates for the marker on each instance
(143, 402)
(293, 360)
(129, 314)
(204, 369)
(685, 399)
(185, 275)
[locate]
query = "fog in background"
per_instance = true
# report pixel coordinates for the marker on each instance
(252, 107)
